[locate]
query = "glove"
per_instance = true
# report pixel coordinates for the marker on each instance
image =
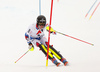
(51, 30)
(31, 47)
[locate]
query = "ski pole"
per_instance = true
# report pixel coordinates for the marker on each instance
(22, 56)
(94, 10)
(75, 38)
(90, 8)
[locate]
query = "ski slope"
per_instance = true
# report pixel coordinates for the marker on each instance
(68, 17)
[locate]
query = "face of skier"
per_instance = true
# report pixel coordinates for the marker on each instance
(41, 25)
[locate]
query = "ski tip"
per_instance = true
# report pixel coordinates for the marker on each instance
(65, 63)
(58, 64)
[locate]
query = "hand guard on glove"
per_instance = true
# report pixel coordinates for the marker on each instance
(31, 47)
(51, 30)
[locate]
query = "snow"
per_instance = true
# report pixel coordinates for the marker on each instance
(68, 18)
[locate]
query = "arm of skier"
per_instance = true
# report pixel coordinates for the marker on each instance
(31, 47)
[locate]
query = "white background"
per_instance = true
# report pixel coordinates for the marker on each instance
(68, 17)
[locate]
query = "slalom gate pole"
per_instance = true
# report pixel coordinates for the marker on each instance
(40, 7)
(75, 38)
(90, 8)
(22, 56)
(49, 32)
(94, 10)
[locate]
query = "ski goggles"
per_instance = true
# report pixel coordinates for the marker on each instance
(41, 24)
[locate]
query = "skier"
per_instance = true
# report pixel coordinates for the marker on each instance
(35, 36)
